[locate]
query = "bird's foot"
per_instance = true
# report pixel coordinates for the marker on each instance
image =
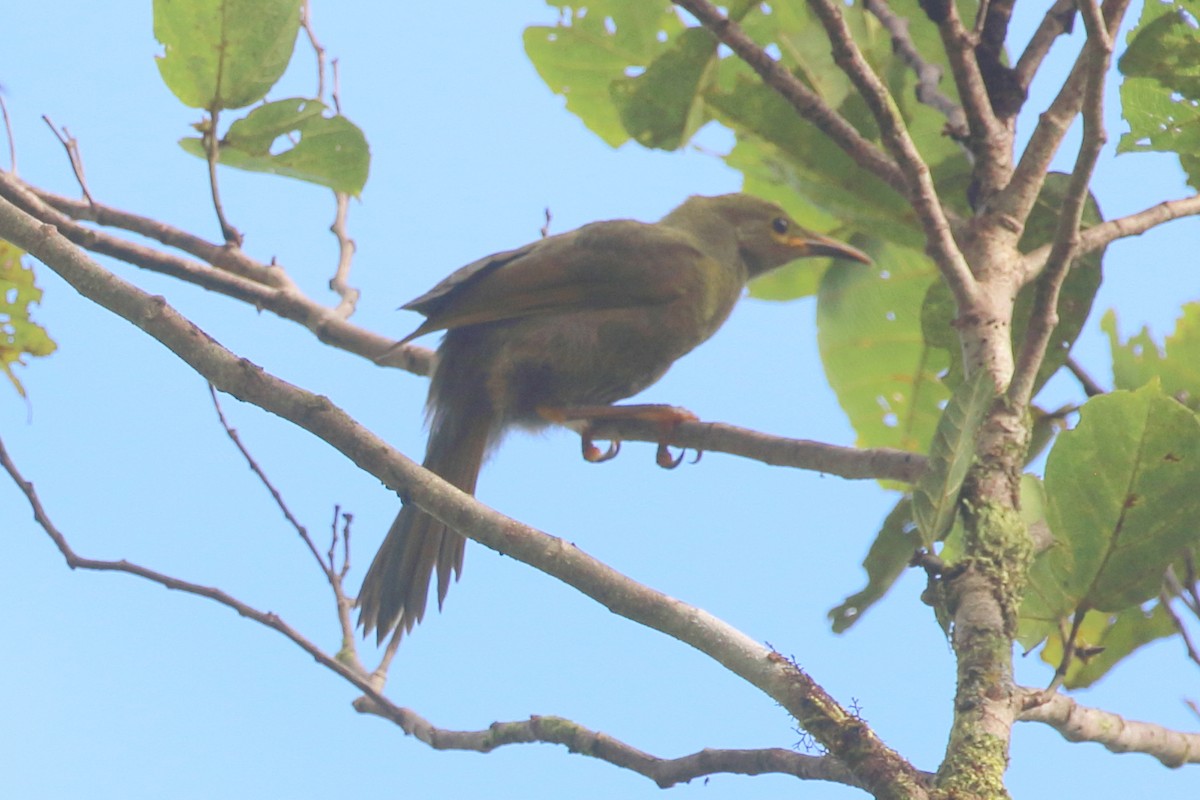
(665, 417)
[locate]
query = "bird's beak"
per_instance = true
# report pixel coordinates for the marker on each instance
(813, 244)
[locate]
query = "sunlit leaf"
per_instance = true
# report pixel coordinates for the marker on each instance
(1176, 363)
(869, 331)
(19, 335)
(221, 54)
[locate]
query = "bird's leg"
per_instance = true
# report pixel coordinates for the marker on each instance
(667, 418)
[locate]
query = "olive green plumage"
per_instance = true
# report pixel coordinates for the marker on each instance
(583, 318)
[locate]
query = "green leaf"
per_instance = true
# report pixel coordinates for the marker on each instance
(1122, 502)
(594, 45)
(19, 334)
(810, 165)
(887, 559)
(935, 497)
(1160, 96)
(221, 54)
(869, 332)
(662, 107)
(1115, 636)
(331, 151)
(1176, 364)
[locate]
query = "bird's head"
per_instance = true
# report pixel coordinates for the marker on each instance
(767, 237)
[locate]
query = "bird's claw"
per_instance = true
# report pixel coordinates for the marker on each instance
(592, 454)
(665, 460)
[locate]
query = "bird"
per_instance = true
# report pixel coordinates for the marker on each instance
(559, 330)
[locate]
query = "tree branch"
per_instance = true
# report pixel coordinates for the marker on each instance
(1044, 316)
(881, 463)
(989, 139)
(808, 104)
(1057, 21)
(939, 239)
(929, 75)
(1079, 723)
(289, 303)
(549, 730)
(1016, 200)
(242, 278)
(841, 732)
(665, 772)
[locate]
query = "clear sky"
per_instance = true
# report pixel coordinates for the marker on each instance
(111, 687)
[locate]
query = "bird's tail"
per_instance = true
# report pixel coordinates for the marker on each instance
(396, 587)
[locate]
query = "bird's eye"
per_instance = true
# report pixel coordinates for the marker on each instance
(780, 225)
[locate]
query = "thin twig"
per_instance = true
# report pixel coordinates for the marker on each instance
(337, 86)
(537, 729)
(8, 134)
(318, 50)
(929, 75)
(1058, 20)
(352, 672)
(212, 151)
(1097, 53)
(664, 772)
(1090, 387)
(1165, 601)
(989, 139)
(340, 282)
(71, 145)
(1016, 200)
(286, 301)
(939, 239)
(231, 432)
(808, 104)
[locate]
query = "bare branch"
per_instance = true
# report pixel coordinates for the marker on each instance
(842, 733)
(1058, 20)
(319, 51)
(1016, 200)
(1090, 387)
(71, 145)
(8, 134)
(285, 301)
(288, 303)
(220, 256)
(352, 671)
(846, 462)
(212, 146)
(1044, 316)
(808, 104)
(990, 139)
(578, 739)
(939, 239)
(326, 568)
(340, 282)
(1079, 723)
(549, 730)
(1193, 653)
(1136, 224)
(929, 75)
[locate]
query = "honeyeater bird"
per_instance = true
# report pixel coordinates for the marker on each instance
(557, 330)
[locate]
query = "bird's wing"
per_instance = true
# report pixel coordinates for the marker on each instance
(613, 264)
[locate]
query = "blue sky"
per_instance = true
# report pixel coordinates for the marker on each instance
(115, 688)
